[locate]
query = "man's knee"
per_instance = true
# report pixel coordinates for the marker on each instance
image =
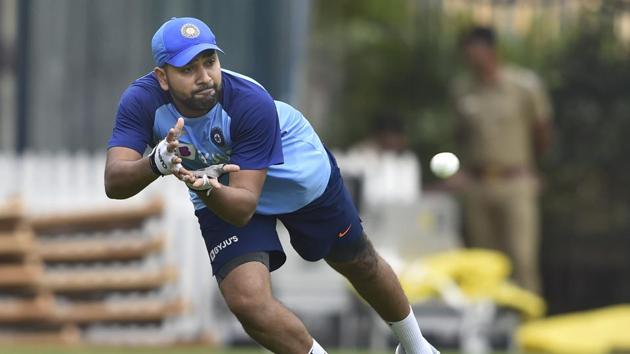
(246, 306)
(247, 292)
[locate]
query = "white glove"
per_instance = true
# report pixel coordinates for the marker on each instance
(162, 160)
(205, 174)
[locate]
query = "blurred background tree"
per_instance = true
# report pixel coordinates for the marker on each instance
(401, 56)
(586, 204)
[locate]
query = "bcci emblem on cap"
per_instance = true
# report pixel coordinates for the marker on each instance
(189, 30)
(179, 40)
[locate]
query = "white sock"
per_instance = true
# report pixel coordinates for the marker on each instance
(408, 333)
(317, 349)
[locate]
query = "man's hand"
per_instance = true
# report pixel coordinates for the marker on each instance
(206, 179)
(457, 183)
(163, 158)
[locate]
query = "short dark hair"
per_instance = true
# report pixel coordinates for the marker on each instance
(479, 34)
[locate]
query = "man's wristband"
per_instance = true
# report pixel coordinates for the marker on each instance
(154, 167)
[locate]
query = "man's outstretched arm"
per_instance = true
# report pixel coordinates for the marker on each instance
(127, 172)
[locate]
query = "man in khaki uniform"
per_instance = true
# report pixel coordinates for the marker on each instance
(504, 124)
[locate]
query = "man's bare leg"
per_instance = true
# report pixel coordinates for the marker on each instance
(377, 283)
(247, 292)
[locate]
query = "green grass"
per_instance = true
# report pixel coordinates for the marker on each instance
(60, 349)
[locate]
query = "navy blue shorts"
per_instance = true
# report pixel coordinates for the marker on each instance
(327, 227)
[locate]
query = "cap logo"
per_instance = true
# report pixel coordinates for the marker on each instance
(189, 30)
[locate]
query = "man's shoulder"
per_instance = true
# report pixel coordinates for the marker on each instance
(522, 77)
(241, 81)
(242, 93)
(144, 93)
(241, 87)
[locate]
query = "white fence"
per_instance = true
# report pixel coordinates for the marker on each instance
(53, 183)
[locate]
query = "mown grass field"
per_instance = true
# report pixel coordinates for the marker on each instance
(59, 349)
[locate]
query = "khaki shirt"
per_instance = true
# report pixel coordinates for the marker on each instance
(497, 119)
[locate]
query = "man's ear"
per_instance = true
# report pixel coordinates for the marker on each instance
(160, 73)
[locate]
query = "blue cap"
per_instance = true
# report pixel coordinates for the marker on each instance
(179, 40)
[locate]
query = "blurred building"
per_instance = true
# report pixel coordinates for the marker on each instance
(65, 63)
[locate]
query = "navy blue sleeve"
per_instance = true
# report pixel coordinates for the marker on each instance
(255, 132)
(133, 127)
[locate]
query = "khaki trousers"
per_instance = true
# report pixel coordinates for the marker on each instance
(502, 214)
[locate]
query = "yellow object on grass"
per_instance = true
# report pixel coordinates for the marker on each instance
(591, 332)
(475, 273)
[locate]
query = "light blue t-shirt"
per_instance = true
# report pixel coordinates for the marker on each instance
(246, 127)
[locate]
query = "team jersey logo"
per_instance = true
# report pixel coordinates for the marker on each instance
(187, 151)
(217, 136)
(189, 30)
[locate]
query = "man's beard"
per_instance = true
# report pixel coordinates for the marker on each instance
(200, 104)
